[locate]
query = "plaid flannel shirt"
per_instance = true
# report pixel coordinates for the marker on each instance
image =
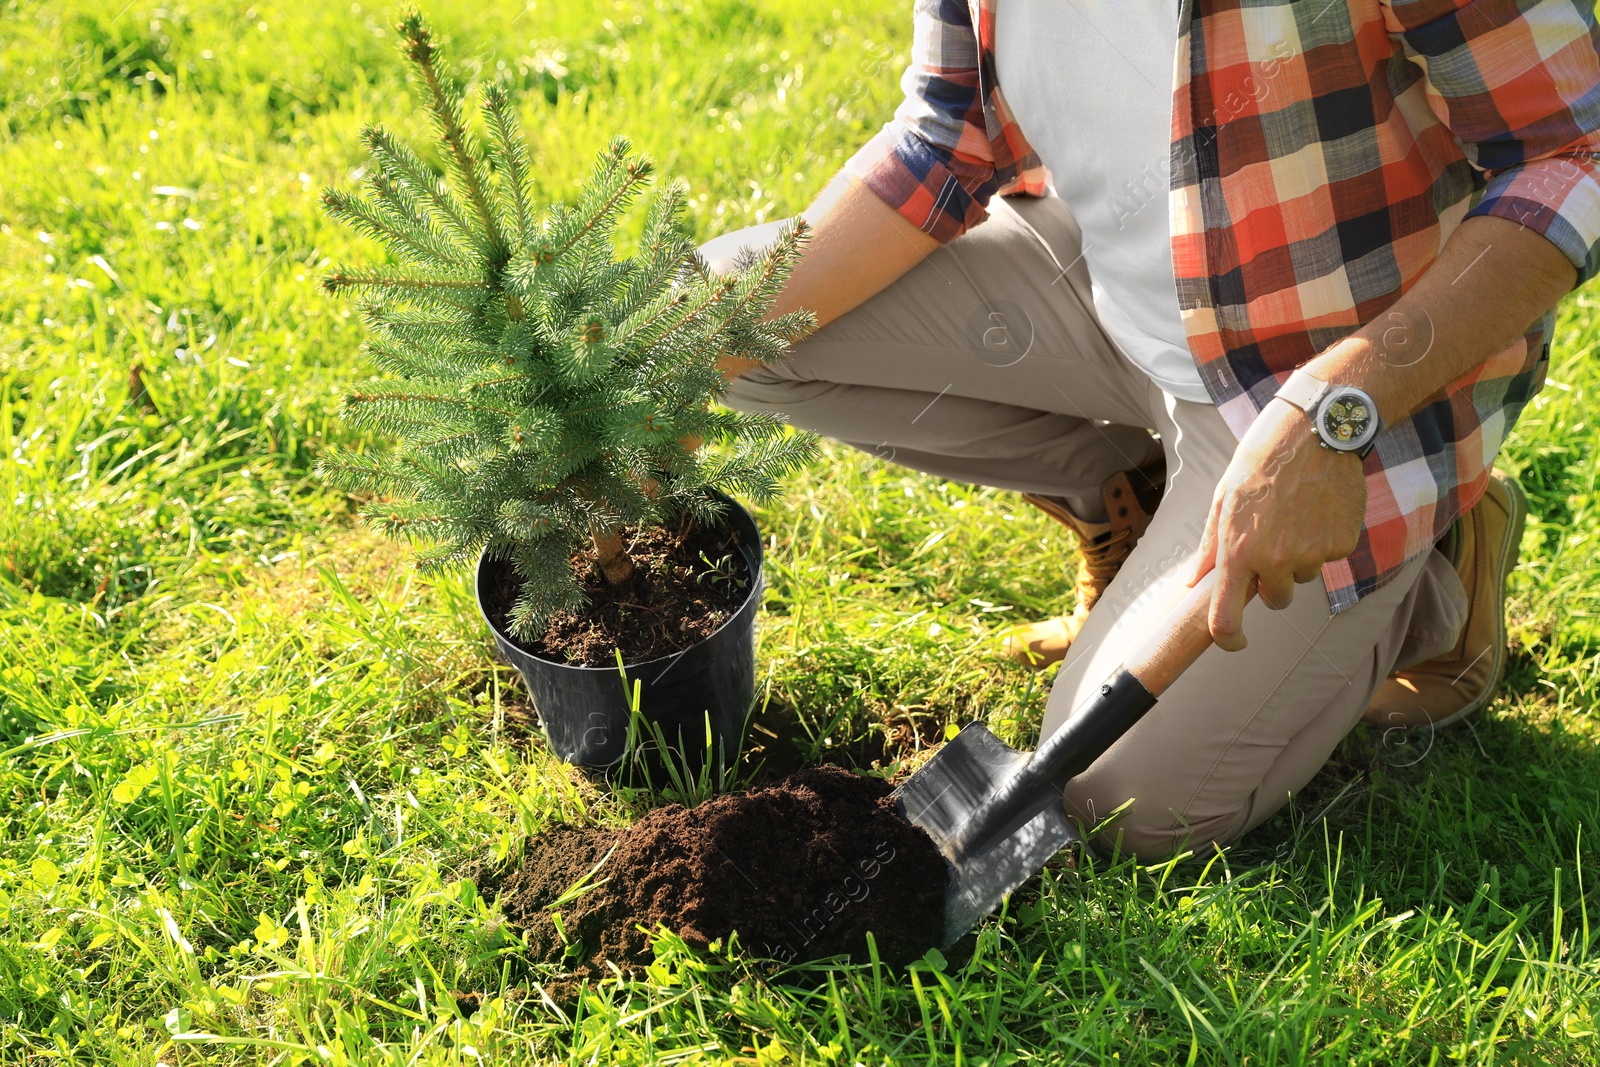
(1322, 152)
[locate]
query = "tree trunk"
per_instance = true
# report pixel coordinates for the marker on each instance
(612, 557)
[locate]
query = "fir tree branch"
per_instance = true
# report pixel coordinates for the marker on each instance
(447, 557)
(452, 448)
(638, 172)
(337, 280)
(525, 520)
(398, 204)
(359, 473)
(504, 379)
(445, 106)
(450, 548)
(547, 585)
(692, 309)
(402, 167)
(410, 362)
(774, 267)
(376, 408)
(666, 246)
(458, 338)
(364, 217)
(508, 147)
(432, 398)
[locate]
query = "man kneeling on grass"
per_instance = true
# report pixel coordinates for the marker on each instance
(1272, 310)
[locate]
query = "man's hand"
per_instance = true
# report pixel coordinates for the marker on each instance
(1285, 506)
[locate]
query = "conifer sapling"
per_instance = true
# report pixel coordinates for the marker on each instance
(548, 394)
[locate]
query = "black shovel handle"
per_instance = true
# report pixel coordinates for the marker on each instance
(1149, 670)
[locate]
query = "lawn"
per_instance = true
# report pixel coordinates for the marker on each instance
(246, 753)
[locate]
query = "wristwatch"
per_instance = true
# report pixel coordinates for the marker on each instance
(1343, 417)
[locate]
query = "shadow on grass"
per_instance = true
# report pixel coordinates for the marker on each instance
(783, 738)
(1492, 810)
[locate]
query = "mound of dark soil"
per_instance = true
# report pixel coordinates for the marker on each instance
(802, 869)
(687, 580)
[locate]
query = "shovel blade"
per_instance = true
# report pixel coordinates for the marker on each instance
(941, 797)
(984, 878)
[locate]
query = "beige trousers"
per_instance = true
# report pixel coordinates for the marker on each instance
(986, 364)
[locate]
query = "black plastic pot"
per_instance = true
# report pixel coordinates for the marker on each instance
(586, 711)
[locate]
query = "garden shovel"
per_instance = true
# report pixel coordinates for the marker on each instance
(996, 813)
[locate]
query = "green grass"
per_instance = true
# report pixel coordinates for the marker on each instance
(244, 751)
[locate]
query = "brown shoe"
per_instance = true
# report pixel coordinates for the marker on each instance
(1130, 498)
(1457, 683)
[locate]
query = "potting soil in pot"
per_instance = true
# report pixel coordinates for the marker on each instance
(687, 580)
(802, 869)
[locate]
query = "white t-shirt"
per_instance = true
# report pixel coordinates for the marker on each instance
(1090, 83)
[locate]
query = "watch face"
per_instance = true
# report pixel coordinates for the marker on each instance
(1348, 419)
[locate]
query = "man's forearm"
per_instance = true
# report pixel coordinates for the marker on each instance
(858, 247)
(1492, 280)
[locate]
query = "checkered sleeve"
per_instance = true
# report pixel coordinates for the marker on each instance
(934, 163)
(1519, 84)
